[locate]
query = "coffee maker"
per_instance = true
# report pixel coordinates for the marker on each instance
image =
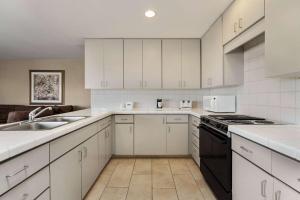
(159, 103)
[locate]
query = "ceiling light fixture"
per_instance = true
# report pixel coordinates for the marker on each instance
(150, 13)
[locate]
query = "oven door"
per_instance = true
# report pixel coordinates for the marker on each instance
(215, 154)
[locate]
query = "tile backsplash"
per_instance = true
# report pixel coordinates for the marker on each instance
(272, 98)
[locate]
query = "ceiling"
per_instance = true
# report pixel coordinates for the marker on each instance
(56, 28)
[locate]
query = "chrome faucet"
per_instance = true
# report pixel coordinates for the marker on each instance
(33, 114)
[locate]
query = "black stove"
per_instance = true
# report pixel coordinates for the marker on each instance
(215, 150)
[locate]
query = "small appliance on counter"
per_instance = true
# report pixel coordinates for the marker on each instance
(219, 104)
(185, 104)
(159, 103)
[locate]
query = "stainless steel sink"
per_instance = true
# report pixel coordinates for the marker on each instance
(33, 126)
(63, 119)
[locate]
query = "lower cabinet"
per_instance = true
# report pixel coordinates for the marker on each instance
(108, 143)
(90, 163)
(124, 139)
(248, 181)
(74, 173)
(149, 135)
(177, 139)
(283, 192)
(101, 150)
(65, 176)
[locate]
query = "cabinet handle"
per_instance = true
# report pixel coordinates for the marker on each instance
(263, 185)
(277, 195)
(18, 172)
(79, 156)
(245, 149)
(85, 152)
(235, 27)
(25, 196)
(241, 23)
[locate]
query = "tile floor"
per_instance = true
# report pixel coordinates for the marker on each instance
(151, 179)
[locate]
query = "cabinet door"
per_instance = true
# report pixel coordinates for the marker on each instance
(190, 63)
(282, 38)
(230, 22)
(152, 63)
(93, 64)
(177, 139)
(113, 63)
(108, 143)
(284, 192)
(171, 52)
(248, 181)
(101, 150)
(133, 63)
(124, 139)
(65, 176)
(149, 135)
(212, 56)
(250, 12)
(90, 163)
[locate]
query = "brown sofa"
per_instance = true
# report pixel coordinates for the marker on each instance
(14, 113)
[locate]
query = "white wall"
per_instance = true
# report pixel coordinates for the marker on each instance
(276, 99)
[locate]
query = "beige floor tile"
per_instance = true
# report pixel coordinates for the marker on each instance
(114, 194)
(142, 166)
(98, 188)
(164, 194)
(162, 176)
(122, 174)
(110, 167)
(186, 187)
(140, 188)
(160, 161)
(179, 166)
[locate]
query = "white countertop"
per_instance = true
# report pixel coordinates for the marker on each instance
(13, 143)
(284, 139)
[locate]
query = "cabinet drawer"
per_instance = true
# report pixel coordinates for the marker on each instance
(195, 121)
(195, 131)
(61, 145)
(124, 119)
(18, 169)
(195, 141)
(45, 195)
(30, 188)
(287, 170)
(255, 153)
(104, 123)
(195, 154)
(177, 118)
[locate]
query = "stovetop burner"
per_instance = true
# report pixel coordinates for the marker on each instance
(235, 117)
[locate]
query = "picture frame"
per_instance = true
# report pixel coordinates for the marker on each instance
(47, 87)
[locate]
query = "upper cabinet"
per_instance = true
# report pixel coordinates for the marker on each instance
(104, 63)
(152, 63)
(282, 38)
(181, 63)
(212, 56)
(240, 15)
(133, 63)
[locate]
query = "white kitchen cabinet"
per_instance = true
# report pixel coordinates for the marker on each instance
(133, 63)
(65, 176)
(171, 63)
(283, 192)
(212, 56)
(90, 163)
(45, 195)
(248, 181)
(149, 135)
(108, 143)
(104, 63)
(124, 139)
(241, 15)
(177, 139)
(152, 64)
(101, 150)
(282, 38)
(190, 60)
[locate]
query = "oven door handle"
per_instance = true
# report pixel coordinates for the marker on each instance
(214, 134)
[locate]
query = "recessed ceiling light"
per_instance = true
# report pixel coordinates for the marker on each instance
(150, 13)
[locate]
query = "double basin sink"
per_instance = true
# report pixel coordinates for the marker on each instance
(42, 124)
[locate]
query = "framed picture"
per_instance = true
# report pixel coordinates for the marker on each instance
(47, 86)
